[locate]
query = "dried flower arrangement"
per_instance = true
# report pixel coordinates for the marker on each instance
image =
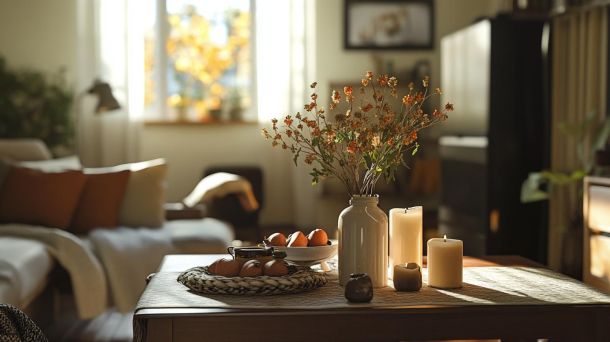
(366, 139)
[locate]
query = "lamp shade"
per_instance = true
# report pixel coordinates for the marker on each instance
(106, 101)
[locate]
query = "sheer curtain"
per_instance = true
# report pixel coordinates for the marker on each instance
(580, 48)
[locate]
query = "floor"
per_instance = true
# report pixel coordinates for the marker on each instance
(111, 326)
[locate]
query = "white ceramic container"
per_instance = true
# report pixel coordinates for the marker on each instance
(363, 240)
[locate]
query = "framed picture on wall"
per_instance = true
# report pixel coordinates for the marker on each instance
(389, 24)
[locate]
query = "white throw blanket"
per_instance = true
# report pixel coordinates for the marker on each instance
(221, 184)
(86, 272)
(129, 256)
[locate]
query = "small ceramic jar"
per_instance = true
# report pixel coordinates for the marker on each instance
(243, 254)
(359, 288)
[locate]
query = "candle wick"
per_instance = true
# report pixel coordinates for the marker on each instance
(445, 237)
(406, 210)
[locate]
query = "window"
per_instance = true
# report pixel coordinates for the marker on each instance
(198, 63)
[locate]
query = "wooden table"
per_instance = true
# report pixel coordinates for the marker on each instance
(559, 322)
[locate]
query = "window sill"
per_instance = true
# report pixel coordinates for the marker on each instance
(188, 123)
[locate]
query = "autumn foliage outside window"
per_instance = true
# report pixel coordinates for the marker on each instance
(208, 71)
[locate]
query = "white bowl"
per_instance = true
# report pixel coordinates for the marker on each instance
(310, 255)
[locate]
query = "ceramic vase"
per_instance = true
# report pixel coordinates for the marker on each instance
(363, 240)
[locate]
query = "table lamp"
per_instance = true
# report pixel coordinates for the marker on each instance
(106, 100)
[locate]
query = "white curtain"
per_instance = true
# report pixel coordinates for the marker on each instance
(580, 47)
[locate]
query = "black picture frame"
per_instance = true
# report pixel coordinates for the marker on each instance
(405, 24)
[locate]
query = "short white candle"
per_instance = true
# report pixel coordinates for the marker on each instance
(406, 236)
(445, 263)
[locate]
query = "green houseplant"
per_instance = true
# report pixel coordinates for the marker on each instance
(589, 136)
(34, 105)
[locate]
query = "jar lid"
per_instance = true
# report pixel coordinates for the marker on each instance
(252, 252)
(279, 254)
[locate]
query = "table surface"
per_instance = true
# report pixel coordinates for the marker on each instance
(586, 321)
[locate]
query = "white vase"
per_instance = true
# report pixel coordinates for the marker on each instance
(363, 240)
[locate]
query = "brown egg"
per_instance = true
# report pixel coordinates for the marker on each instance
(297, 239)
(276, 239)
(225, 267)
(317, 237)
(275, 268)
(252, 268)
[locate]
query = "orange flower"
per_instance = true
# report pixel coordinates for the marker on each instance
(383, 80)
(347, 90)
(369, 75)
(288, 121)
(367, 107)
(336, 97)
(376, 141)
(408, 100)
(449, 106)
(352, 147)
(310, 158)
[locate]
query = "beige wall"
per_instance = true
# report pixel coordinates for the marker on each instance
(40, 34)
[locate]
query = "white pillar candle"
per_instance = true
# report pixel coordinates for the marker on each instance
(406, 236)
(445, 263)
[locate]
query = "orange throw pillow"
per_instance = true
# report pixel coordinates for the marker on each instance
(100, 202)
(34, 197)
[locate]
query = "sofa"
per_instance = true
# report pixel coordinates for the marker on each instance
(106, 256)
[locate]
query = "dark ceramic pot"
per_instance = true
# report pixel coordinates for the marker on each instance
(359, 288)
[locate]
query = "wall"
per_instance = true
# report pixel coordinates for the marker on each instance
(40, 34)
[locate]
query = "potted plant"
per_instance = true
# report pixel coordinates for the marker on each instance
(589, 135)
(34, 105)
(359, 140)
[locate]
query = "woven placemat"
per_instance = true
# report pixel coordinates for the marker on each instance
(298, 279)
(482, 286)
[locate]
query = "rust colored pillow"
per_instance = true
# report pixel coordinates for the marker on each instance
(38, 198)
(100, 201)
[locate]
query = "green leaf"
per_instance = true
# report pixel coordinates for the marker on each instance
(296, 156)
(601, 137)
(415, 149)
(530, 189)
